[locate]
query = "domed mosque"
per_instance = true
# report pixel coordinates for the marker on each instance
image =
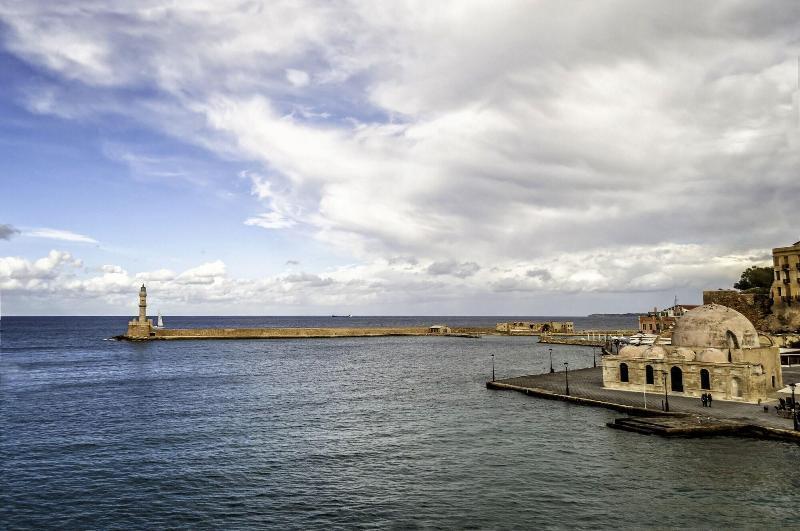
(714, 349)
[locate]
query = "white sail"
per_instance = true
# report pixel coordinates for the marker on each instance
(160, 321)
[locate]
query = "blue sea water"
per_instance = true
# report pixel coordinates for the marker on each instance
(342, 433)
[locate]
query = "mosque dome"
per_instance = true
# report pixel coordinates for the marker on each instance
(714, 326)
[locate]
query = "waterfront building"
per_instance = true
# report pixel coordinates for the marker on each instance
(440, 330)
(141, 326)
(714, 349)
(528, 327)
(786, 284)
(658, 321)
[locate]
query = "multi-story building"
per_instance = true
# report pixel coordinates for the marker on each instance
(786, 284)
(657, 321)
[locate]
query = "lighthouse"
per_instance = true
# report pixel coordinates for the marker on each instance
(143, 304)
(141, 327)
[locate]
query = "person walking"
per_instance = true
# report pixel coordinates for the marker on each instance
(703, 399)
(709, 399)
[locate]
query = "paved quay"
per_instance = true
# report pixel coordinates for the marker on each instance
(586, 387)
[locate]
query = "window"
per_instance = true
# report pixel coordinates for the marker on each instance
(705, 379)
(623, 372)
(649, 374)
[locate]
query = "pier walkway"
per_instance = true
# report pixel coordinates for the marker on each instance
(586, 387)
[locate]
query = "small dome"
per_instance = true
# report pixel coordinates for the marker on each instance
(655, 353)
(713, 355)
(714, 326)
(686, 354)
(631, 351)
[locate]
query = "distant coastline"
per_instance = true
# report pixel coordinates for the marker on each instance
(630, 314)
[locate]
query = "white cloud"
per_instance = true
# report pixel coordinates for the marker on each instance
(297, 78)
(511, 149)
(58, 234)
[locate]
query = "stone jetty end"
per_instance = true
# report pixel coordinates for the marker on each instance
(141, 329)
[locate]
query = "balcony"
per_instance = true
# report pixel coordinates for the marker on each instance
(786, 280)
(785, 267)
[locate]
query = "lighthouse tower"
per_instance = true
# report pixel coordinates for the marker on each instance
(141, 327)
(143, 305)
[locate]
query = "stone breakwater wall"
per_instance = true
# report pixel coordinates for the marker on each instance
(282, 333)
(288, 333)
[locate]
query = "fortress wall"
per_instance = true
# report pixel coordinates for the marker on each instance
(754, 306)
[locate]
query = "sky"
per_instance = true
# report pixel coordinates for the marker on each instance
(392, 158)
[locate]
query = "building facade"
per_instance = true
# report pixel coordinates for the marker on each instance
(714, 350)
(529, 328)
(658, 321)
(786, 284)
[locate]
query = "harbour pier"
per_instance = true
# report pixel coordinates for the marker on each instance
(686, 416)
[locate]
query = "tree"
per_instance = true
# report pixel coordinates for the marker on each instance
(754, 278)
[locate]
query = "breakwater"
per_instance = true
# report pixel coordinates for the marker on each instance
(289, 333)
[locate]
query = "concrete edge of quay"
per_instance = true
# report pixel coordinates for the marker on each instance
(738, 429)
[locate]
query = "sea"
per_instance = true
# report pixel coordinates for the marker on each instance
(345, 433)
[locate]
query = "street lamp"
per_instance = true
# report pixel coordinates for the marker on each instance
(666, 396)
(492, 366)
(551, 361)
(794, 409)
(566, 375)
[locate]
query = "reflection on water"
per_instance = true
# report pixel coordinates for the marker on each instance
(353, 432)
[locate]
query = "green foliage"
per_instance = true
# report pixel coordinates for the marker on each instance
(756, 279)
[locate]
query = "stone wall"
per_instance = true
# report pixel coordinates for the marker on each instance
(754, 306)
(278, 333)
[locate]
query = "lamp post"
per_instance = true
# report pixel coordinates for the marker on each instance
(566, 375)
(666, 396)
(552, 370)
(492, 366)
(794, 409)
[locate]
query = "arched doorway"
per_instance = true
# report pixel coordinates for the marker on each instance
(648, 374)
(736, 387)
(623, 372)
(676, 375)
(546, 328)
(733, 341)
(705, 379)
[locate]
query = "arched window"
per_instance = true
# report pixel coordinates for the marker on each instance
(705, 379)
(648, 374)
(676, 375)
(623, 372)
(733, 341)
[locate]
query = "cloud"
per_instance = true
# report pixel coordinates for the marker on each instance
(297, 78)
(516, 149)
(269, 220)
(7, 231)
(650, 274)
(58, 234)
(18, 273)
(292, 262)
(542, 274)
(451, 267)
(206, 273)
